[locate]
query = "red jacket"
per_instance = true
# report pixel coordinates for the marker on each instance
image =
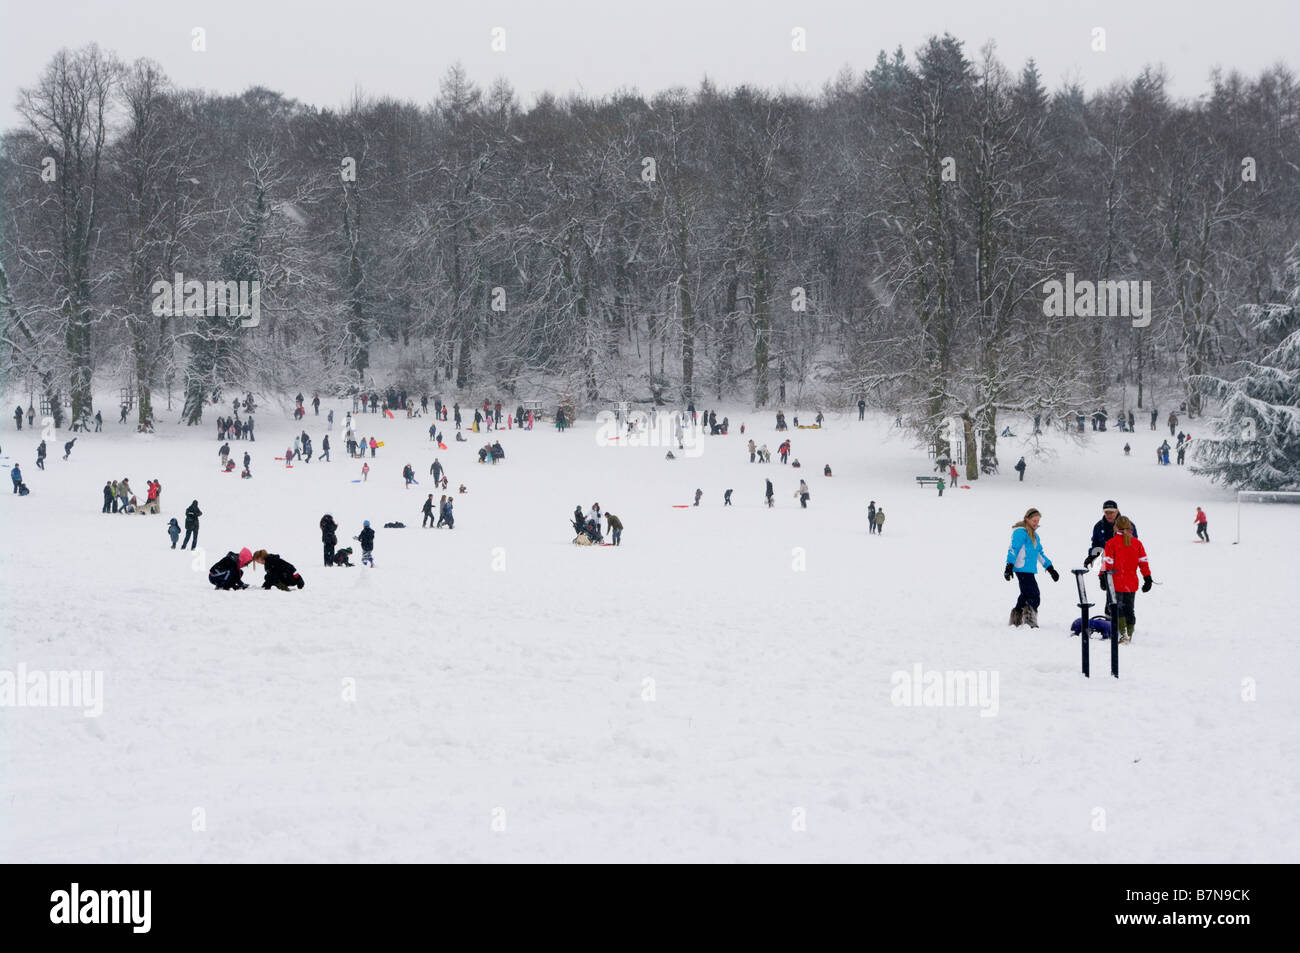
(1125, 561)
(1200, 516)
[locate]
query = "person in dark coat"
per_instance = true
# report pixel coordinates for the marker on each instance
(771, 495)
(367, 540)
(325, 448)
(726, 498)
(871, 518)
(18, 416)
(228, 571)
(329, 537)
(40, 455)
(1020, 468)
(174, 531)
(279, 572)
(862, 409)
(67, 448)
(427, 510)
(616, 526)
(109, 496)
(436, 470)
(1103, 530)
(192, 514)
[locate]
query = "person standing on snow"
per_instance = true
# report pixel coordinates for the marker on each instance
(40, 455)
(1020, 468)
(110, 497)
(367, 540)
(880, 521)
(615, 527)
(1103, 530)
(770, 495)
(1123, 558)
(329, 537)
(698, 494)
(803, 494)
(1023, 558)
(192, 514)
(427, 509)
(862, 409)
(1202, 525)
(871, 518)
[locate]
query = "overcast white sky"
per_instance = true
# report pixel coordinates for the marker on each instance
(319, 51)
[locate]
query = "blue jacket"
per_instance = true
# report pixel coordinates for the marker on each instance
(1025, 554)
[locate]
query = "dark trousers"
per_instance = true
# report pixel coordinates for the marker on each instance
(329, 553)
(618, 535)
(1203, 531)
(40, 463)
(107, 506)
(188, 533)
(428, 518)
(1029, 595)
(1124, 606)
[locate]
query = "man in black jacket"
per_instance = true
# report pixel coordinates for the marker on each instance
(192, 514)
(428, 512)
(108, 496)
(329, 537)
(1103, 531)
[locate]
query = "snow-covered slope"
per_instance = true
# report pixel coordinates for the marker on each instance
(722, 687)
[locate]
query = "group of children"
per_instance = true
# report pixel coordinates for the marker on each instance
(120, 498)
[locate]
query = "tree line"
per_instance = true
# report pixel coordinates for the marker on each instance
(888, 238)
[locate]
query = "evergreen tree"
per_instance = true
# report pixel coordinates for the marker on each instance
(1259, 447)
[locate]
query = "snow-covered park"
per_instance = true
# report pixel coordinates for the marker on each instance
(730, 684)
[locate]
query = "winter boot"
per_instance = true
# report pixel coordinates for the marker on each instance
(1030, 616)
(1015, 617)
(1125, 631)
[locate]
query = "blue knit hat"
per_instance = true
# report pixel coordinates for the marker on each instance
(366, 522)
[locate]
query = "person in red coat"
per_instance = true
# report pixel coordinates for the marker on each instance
(1124, 558)
(1202, 525)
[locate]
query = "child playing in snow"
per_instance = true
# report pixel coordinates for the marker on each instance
(365, 474)
(174, 531)
(367, 540)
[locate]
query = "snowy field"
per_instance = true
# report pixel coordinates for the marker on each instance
(502, 710)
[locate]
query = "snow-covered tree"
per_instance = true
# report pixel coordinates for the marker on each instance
(1259, 445)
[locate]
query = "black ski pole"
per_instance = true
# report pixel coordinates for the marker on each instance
(1084, 606)
(1114, 624)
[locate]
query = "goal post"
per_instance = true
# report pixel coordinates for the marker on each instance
(1263, 496)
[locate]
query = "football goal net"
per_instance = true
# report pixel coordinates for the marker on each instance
(1262, 496)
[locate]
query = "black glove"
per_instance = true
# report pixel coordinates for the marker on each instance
(1056, 576)
(1006, 573)
(1146, 584)
(1092, 558)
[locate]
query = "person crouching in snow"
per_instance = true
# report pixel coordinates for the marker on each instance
(174, 531)
(1124, 557)
(1023, 558)
(279, 572)
(228, 571)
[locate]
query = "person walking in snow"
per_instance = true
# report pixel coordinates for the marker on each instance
(1020, 468)
(365, 472)
(427, 510)
(99, 422)
(40, 455)
(1202, 525)
(862, 409)
(192, 514)
(880, 521)
(752, 451)
(18, 416)
(770, 496)
(67, 448)
(173, 530)
(698, 494)
(1024, 556)
(726, 498)
(1123, 558)
(374, 445)
(803, 494)
(325, 448)
(871, 518)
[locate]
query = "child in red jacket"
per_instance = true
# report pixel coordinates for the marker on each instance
(1202, 525)
(1123, 558)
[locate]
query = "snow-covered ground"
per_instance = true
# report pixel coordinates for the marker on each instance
(722, 687)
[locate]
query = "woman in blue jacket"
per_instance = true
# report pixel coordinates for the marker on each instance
(1023, 557)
